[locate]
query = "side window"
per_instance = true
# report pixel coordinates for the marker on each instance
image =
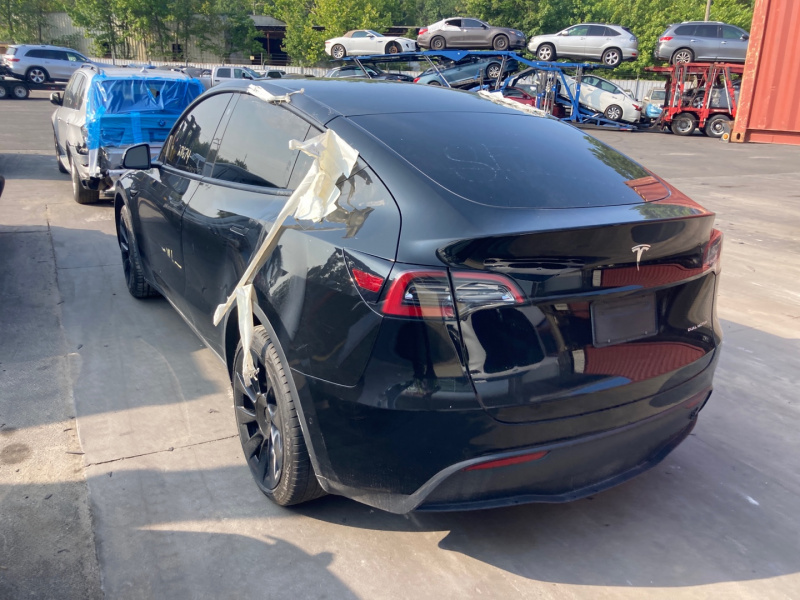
(597, 30)
(70, 94)
(707, 31)
(578, 30)
(238, 74)
(223, 72)
(80, 93)
(610, 32)
(35, 54)
(685, 30)
(589, 80)
(75, 57)
(731, 33)
(359, 34)
(453, 22)
(59, 55)
(471, 23)
(190, 143)
(255, 145)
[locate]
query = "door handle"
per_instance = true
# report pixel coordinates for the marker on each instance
(239, 230)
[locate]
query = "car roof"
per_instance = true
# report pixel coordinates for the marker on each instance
(325, 99)
(47, 46)
(128, 73)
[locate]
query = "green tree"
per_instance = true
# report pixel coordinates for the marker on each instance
(26, 21)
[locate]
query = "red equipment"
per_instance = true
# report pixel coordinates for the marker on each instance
(710, 104)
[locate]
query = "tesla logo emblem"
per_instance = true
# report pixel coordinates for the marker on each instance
(640, 249)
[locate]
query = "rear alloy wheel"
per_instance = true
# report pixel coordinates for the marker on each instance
(36, 75)
(612, 57)
(131, 261)
(434, 82)
(392, 48)
(493, 71)
(269, 428)
(80, 193)
(546, 52)
(438, 43)
(613, 113)
(20, 91)
(61, 168)
(715, 126)
(338, 51)
(3, 92)
(684, 124)
(500, 43)
(684, 55)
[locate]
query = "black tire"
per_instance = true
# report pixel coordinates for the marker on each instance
(684, 124)
(131, 260)
(338, 51)
(80, 193)
(438, 43)
(61, 168)
(3, 92)
(37, 75)
(20, 91)
(682, 55)
(500, 43)
(715, 126)
(613, 112)
(493, 70)
(546, 52)
(269, 428)
(612, 57)
(434, 82)
(392, 48)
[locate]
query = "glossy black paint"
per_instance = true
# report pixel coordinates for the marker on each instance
(393, 408)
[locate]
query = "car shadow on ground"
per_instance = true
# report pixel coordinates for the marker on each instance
(37, 166)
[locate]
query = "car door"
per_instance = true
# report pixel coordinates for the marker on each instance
(473, 33)
(162, 194)
(71, 116)
(732, 46)
(573, 43)
(59, 65)
(246, 189)
(591, 95)
(598, 37)
(707, 41)
(357, 44)
(451, 31)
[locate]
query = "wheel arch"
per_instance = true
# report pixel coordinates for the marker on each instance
(304, 405)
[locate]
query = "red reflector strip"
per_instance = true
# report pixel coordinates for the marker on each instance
(504, 462)
(367, 281)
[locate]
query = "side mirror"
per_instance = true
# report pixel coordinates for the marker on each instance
(55, 98)
(247, 76)
(2, 184)
(745, 36)
(137, 157)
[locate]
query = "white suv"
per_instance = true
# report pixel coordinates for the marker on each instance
(39, 64)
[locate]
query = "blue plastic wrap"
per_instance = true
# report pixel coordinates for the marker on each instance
(141, 107)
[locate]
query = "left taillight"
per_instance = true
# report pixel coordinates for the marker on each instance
(713, 251)
(433, 293)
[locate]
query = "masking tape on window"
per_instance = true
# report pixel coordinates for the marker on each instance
(314, 199)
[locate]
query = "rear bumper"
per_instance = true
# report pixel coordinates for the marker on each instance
(585, 454)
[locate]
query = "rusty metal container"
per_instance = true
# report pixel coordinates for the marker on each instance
(769, 111)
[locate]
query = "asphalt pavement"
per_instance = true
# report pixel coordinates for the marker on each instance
(121, 475)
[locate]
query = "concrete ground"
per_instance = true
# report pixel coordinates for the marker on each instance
(146, 495)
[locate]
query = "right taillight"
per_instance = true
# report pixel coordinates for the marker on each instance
(430, 293)
(713, 251)
(666, 38)
(423, 30)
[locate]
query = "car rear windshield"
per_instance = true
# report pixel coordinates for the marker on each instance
(119, 96)
(11, 50)
(509, 160)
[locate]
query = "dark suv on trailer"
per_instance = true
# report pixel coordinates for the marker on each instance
(464, 327)
(701, 41)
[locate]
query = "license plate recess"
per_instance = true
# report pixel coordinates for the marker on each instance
(623, 320)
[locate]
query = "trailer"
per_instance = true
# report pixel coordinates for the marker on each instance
(16, 89)
(700, 96)
(557, 97)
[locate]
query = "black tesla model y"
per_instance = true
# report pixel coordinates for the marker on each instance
(500, 309)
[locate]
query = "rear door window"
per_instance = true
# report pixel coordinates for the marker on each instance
(188, 147)
(597, 30)
(611, 32)
(707, 31)
(255, 146)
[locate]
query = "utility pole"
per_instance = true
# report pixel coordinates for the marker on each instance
(708, 9)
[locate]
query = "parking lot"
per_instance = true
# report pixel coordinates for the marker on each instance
(121, 475)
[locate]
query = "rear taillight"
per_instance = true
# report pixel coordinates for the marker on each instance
(713, 251)
(416, 79)
(430, 293)
(666, 38)
(423, 294)
(12, 59)
(367, 281)
(423, 30)
(475, 290)
(637, 107)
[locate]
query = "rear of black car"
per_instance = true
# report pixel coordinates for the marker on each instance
(548, 327)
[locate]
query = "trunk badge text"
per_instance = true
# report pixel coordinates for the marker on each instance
(640, 249)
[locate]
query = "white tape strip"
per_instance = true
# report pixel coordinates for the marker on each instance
(264, 95)
(313, 199)
(498, 98)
